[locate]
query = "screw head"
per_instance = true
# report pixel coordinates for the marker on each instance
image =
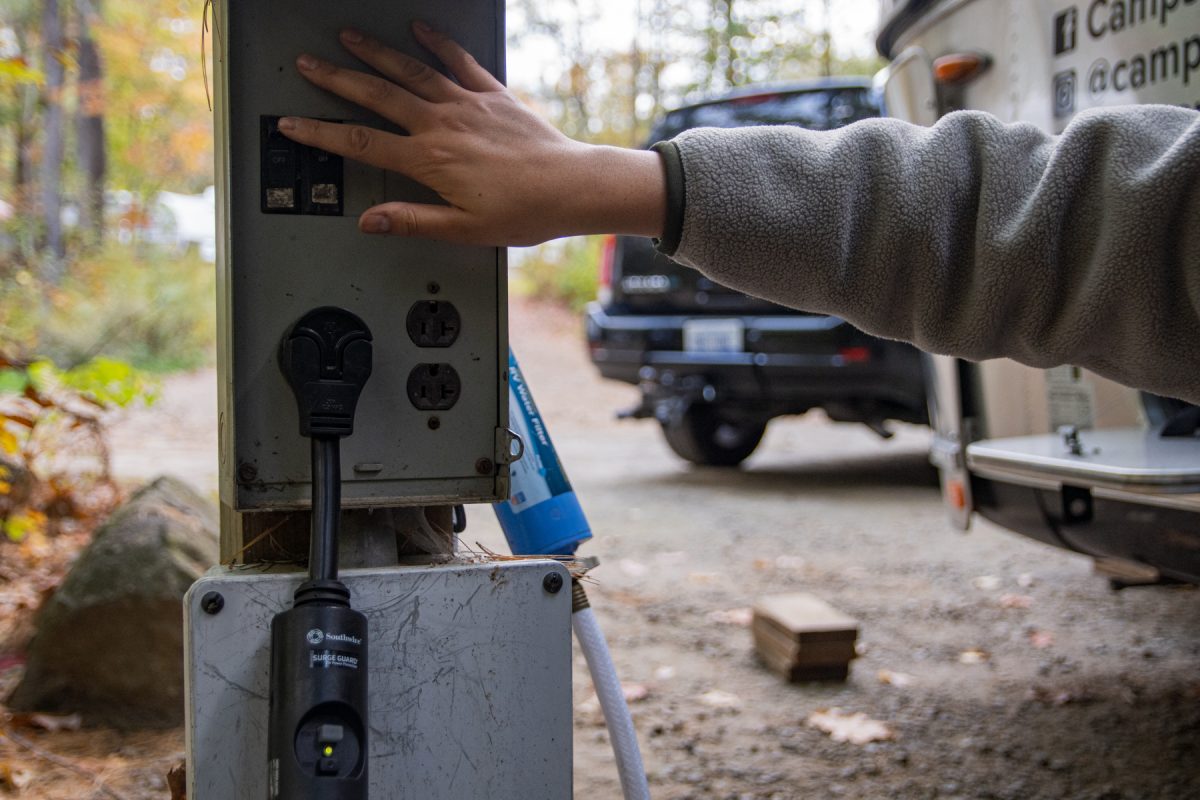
(484, 466)
(553, 583)
(247, 473)
(434, 423)
(212, 602)
(433, 287)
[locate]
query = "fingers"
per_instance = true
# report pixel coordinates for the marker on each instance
(421, 79)
(464, 66)
(421, 220)
(368, 145)
(369, 91)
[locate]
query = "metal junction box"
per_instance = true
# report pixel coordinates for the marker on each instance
(432, 421)
(470, 681)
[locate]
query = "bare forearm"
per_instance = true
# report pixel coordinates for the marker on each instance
(621, 191)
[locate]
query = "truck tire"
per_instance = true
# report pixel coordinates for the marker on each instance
(704, 435)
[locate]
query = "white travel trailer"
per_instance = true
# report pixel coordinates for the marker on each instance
(1061, 455)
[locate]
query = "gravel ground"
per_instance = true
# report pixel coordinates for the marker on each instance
(1079, 691)
(1075, 691)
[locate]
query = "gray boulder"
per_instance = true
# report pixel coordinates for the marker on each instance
(109, 642)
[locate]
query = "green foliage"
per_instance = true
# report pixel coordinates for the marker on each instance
(564, 271)
(143, 306)
(54, 459)
(14, 73)
(103, 381)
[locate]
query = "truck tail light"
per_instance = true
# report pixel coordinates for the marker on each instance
(608, 254)
(855, 355)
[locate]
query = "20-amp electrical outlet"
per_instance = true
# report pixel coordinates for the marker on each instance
(433, 323)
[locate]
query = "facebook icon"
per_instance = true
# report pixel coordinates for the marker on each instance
(1066, 29)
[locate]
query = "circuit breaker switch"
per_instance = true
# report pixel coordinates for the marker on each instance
(297, 179)
(322, 175)
(280, 169)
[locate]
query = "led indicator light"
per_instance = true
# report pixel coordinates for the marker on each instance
(328, 750)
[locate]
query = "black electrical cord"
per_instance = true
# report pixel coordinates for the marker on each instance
(326, 508)
(318, 718)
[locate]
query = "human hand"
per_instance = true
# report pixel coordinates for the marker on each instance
(508, 177)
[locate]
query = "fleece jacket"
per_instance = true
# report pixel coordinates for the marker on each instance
(972, 237)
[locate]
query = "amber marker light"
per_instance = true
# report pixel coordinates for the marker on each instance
(956, 494)
(958, 67)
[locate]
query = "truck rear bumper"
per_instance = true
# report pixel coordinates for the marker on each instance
(789, 364)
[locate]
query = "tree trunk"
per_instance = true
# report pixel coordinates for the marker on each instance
(54, 249)
(827, 41)
(90, 124)
(637, 61)
(731, 76)
(712, 54)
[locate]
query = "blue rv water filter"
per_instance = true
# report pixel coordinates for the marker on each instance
(542, 516)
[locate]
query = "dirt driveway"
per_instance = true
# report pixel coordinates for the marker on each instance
(1078, 692)
(1067, 690)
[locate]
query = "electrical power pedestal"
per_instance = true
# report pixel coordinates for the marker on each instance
(469, 664)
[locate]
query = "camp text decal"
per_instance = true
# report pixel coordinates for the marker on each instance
(1115, 52)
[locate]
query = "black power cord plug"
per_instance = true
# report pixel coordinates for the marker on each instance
(326, 357)
(317, 731)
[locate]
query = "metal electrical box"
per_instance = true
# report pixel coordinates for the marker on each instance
(470, 681)
(431, 426)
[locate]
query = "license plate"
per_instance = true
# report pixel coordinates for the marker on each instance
(713, 336)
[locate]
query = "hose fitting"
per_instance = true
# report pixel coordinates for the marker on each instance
(579, 598)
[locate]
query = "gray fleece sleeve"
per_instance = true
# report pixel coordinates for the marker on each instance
(973, 237)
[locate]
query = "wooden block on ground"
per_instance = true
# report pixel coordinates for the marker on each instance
(803, 638)
(768, 639)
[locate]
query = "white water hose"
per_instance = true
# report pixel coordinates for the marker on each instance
(612, 700)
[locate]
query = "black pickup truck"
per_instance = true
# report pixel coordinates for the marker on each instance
(715, 365)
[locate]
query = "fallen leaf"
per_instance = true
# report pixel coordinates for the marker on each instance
(634, 569)
(589, 707)
(635, 692)
(1041, 639)
(973, 656)
(13, 776)
(177, 781)
(719, 699)
(741, 617)
(1059, 697)
(49, 722)
(987, 583)
(898, 679)
(1015, 601)
(856, 728)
